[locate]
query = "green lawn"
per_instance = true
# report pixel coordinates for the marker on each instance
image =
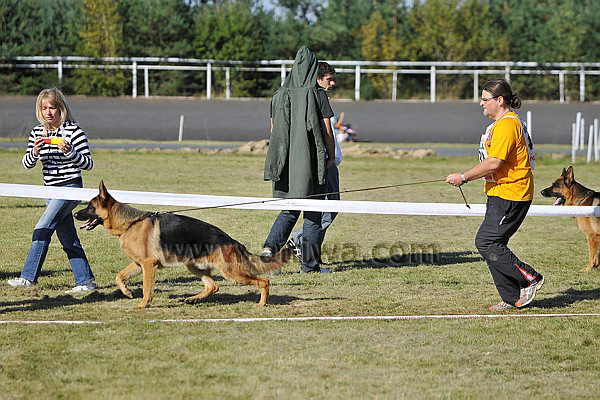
(129, 356)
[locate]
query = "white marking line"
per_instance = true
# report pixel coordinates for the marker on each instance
(308, 319)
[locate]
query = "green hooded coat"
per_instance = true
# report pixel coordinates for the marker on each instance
(296, 156)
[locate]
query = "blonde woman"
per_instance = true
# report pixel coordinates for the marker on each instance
(62, 147)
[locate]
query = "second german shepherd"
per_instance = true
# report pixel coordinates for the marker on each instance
(571, 193)
(154, 240)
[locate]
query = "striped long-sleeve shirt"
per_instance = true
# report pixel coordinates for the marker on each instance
(57, 167)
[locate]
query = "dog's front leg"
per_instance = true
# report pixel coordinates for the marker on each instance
(594, 252)
(129, 271)
(149, 267)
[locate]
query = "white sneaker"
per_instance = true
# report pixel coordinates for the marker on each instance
(82, 289)
(17, 282)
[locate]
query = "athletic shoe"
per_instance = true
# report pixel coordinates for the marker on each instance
(528, 293)
(295, 250)
(325, 271)
(82, 289)
(18, 282)
(502, 306)
(266, 254)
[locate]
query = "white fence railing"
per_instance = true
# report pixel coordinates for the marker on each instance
(358, 68)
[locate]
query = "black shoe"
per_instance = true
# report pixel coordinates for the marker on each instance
(295, 250)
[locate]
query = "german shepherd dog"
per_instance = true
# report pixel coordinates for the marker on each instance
(155, 240)
(571, 193)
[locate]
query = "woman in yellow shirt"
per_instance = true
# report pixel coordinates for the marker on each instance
(506, 160)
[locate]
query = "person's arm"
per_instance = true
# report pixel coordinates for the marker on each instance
(485, 168)
(329, 142)
(78, 150)
(32, 153)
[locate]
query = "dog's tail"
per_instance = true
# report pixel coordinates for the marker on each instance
(260, 267)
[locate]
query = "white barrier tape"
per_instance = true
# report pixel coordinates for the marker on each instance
(309, 319)
(343, 206)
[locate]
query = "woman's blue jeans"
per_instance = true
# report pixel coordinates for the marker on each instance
(57, 217)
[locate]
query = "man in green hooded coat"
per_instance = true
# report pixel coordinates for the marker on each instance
(298, 155)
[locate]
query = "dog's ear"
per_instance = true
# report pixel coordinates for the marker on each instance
(564, 173)
(104, 195)
(569, 176)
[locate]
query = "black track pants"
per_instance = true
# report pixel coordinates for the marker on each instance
(502, 219)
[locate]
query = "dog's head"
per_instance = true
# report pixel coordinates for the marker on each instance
(562, 187)
(97, 209)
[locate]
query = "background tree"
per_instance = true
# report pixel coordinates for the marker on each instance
(101, 36)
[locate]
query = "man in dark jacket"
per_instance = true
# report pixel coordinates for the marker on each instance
(297, 159)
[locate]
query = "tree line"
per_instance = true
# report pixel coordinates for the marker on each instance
(418, 30)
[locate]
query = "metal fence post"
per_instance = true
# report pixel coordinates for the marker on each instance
(582, 84)
(60, 71)
(394, 85)
(475, 86)
(208, 80)
(357, 83)
(282, 74)
(134, 79)
(146, 86)
(432, 85)
(227, 83)
(561, 86)
(507, 73)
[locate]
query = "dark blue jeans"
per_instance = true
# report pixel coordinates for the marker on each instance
(332, 185)
(311, 233)
(57, 217)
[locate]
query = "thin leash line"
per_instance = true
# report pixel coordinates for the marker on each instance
(309, 196)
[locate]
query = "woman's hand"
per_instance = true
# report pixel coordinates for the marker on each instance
(64, 146)
(37, 145)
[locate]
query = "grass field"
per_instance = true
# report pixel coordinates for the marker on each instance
(129, 357)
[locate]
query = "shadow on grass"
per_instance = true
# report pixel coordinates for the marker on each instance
(22, 206)
(569, 297)
(47, 302)
(11, 275)
(410, 260)
(226, 298)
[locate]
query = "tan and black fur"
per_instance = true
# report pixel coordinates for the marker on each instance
(155, 240)
(571, 193)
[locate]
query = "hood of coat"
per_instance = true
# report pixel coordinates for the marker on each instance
(304, 70)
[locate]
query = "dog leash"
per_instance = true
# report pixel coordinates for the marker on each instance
(315, 195)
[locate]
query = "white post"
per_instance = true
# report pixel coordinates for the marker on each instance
(208, 80)
(134, 79)
(146, 85)
(574, 143)
(529, 130)
(582, 135)
(561, 86)
(60, 72)
(590, 143)
(432, 85)
(596, 139)
(582, 85)
(577, 130)
(227, 82)
(507, 73)
(476, 86)
(181, 119)
(357, 83)
(282, 74)
(394, 84)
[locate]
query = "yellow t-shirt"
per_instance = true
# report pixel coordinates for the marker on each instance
(513, 180)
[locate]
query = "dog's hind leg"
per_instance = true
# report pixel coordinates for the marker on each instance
(149, 267)
(129, 271)
(210, 286)
(245, 278)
